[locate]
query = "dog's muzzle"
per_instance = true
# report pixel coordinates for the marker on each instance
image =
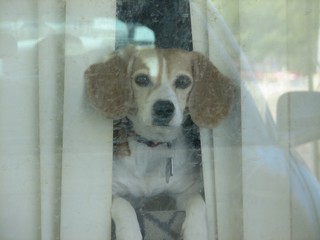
(162, 112)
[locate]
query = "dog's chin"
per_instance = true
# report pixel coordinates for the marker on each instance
(160, 133)
(155, 132)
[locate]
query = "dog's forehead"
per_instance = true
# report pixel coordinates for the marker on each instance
(155, 60)
(148, 59)
(179, 58)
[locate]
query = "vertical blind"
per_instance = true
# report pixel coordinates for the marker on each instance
(56, 151)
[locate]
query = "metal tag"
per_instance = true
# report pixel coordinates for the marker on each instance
(169, 169)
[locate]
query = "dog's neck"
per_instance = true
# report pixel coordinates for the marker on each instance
(146, 141)
(123, 129)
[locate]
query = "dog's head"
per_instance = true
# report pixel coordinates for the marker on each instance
(153, 87)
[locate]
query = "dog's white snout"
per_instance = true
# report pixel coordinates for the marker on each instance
(162, 112)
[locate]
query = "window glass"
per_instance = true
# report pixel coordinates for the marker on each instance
(91, 90)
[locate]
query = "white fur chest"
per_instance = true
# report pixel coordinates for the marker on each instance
(143, 174)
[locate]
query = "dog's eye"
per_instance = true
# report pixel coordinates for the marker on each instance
(142, 80)
(182, 82)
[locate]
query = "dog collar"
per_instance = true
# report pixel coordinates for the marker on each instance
(146, 141)
(142, 139)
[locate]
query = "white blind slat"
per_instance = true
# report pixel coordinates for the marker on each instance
(200, 44)
(19, 141)
(51, 80)
(87, 136)
(221, 158)
(224, 53)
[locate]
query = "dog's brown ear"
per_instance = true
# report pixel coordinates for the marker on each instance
(212, 95)
(108, 87)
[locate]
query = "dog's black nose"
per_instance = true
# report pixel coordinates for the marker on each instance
(162, 112)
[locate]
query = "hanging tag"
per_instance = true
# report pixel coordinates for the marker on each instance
(169, 169)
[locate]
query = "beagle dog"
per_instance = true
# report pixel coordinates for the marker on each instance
(153, 91)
